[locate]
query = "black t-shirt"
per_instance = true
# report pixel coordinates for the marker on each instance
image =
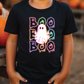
(40, 38)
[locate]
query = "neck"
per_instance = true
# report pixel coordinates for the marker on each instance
(42, 4)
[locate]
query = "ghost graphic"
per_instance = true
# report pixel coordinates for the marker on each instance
(42, 35)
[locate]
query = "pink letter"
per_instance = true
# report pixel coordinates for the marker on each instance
(32, 22)
(50, 46)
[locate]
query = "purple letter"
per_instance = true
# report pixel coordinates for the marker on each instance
(51, 22)
(32, 46)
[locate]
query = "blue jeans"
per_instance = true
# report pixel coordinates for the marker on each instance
(21, 82)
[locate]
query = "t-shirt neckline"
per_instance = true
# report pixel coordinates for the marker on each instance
(40, 10)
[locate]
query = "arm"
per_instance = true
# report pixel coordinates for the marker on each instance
(59, 78)
(67, 53)
(11, 49)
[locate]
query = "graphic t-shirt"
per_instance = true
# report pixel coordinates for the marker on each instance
(40, 38)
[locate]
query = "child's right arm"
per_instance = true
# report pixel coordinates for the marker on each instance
(11, 48)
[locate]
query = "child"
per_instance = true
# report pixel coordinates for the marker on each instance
(43, 31)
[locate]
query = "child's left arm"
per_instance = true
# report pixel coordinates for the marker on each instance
(60, 77)
(67, 53)
(70, 27)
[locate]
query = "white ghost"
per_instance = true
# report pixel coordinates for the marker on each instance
(42, 35)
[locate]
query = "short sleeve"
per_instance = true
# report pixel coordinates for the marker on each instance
(12, 25)
(71, 25)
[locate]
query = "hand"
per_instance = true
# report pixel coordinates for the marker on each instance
(58, 78)
(15, 77)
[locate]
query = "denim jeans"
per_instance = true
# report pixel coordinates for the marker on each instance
(21, 82)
